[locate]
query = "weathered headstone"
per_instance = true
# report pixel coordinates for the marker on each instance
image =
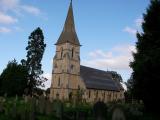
(81, 115)
(13, 111)
(58, 108)
(5, 95)
(100, 111)
(118, 114)
(23, 115)
(48, 107)
(16, 98)
(1, 108)
(25, 99)
(41, 105)
(32, 109)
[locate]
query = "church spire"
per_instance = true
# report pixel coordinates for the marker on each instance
(69, 23)
(68, 34)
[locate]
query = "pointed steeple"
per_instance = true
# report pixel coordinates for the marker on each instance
(69, 23)
(68, 34)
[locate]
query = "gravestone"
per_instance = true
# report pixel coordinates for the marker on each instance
(48, 107)
(42, 104)
(58, 109)
(82, 115)
(1, 108)
(2, 99)
(100, 111)
(118, 114)
(32, 112)
(13, 111)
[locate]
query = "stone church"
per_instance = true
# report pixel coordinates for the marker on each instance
(69, 77)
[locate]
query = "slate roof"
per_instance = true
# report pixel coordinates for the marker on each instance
(98, 79)
(69, 34)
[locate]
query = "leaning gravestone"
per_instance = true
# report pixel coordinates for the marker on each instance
(118, 114)
(100, 111)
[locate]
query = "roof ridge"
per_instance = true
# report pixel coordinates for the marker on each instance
(95, 68)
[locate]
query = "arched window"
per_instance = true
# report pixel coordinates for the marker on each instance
(57, 95)
(78, 87)
(72, 52)
(72, 66)
(97, 94)
(70, 96)
(59, 81)
(89, 94)
(61, 52)
(55, 65)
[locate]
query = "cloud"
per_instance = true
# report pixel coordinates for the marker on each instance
(130, 30)
(31, 9)
(138, 22)
(100, 53)
(47, 75)
(6, 19)
(118, 58)
(4, 30)
(18, 29)
(124, 86)
(48, 82)
(17, 7)
(124, 49)
(6, 5)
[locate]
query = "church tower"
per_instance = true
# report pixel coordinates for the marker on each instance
(66, 62)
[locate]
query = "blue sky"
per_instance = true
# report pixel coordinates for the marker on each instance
(106, 30)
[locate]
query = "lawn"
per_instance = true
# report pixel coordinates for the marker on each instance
(42, 109)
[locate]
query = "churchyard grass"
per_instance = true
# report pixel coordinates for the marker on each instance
(42, 109)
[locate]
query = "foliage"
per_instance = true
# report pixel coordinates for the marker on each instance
(146, 62)
(35, 51)
(39, 91)
(48, 91)
(0, 85)
(116, 76)
(78, 96)
(13, 79)
(129, 93)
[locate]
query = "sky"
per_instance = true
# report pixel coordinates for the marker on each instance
(106, 30)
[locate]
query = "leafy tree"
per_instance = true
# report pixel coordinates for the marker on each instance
(146, 64)
(0, 85)
(48, 91)
(116, 76)
(129, 93)
(35, 51)
(13, 79)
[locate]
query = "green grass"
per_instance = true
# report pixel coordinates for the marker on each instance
(44, 117)
(131, 111)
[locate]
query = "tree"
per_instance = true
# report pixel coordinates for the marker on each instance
(146, 64)
(129, 93)
(13, 79)
(35, 51)
(116, 76)
(0, 85)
